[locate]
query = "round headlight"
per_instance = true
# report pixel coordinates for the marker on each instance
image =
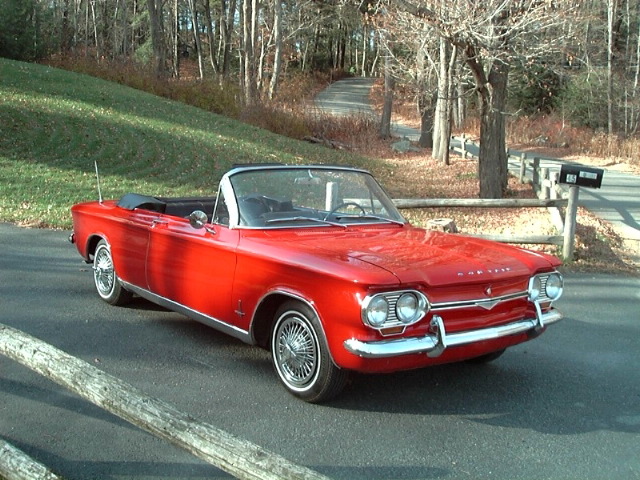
(554, 287)
(377, 311)
(535, 285)
(407, 308)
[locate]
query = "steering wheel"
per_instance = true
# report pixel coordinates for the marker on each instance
(343, 205)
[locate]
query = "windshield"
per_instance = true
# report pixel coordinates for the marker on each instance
(281, 197)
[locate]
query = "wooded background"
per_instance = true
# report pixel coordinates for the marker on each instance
(492, 59)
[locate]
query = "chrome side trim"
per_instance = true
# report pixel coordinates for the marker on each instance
(434, 344)
(219, 325)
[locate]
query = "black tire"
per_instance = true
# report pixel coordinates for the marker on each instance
(300, 355)
(105, 278)
(489, 357)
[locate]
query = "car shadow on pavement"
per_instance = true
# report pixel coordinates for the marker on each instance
(523, 392)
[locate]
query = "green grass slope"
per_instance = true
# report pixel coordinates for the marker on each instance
(55, 124)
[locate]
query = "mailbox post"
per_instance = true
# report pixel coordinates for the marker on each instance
(576, 176)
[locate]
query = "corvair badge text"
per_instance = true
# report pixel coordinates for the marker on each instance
(482, 272)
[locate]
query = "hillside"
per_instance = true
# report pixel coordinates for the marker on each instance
(55, 124)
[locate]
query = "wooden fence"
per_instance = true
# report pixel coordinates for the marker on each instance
(237, 457)
(550, 196)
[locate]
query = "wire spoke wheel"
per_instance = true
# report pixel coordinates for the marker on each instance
(105, 277)
(103, 272)
(297, 351)
(300, 354)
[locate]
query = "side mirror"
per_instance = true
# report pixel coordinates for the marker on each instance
(198, 219)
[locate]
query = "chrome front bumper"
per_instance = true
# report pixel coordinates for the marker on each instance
(438, 341)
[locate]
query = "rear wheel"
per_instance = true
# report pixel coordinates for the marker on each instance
(300, 356)
(489, 357)
(105, 277)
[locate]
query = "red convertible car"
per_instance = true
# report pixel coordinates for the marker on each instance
(316, 264)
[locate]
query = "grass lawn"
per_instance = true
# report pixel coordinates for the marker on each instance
(55, 124)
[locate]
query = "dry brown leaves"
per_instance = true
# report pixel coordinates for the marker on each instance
(598, 248)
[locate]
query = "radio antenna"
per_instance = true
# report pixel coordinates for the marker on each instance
(95, 162)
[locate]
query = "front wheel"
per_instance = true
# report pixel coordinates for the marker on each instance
(301, 357)
(105, 277)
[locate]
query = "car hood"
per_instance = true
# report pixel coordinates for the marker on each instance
(414, 255)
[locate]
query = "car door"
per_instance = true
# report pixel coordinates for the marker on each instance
(129, 244)
(193, 267)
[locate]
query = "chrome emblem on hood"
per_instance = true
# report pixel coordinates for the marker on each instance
(488, 291)
(488, 305)
(473, 273)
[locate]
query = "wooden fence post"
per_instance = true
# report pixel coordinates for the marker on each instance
(544, 183)
(536, 173)
(463, 146)
(556, 216)
(240, 458)
(523, 166)
(570, 223)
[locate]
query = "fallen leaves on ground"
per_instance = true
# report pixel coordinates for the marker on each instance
(598, 248)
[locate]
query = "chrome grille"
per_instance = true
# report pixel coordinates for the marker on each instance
(477, 301)
(392, 319)
(543, 289)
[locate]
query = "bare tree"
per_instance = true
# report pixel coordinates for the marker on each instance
(491, 35)
(612, 12)
(157, 37)
(444, 104)
(278, 41)
(196, 37)
(249, 51)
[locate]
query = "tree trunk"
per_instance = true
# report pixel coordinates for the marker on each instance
(157, 38)
(492, 161)
(211, 36)
(425, 105)
(65, 32)
(249, 16)
(444, 105)
(227, 16)
(277, 61)
(611, 15)
(96, 39)
(175, 47)
(425, 97)
(196, 37)
(363, 68)
(385, 121)
(460, 112)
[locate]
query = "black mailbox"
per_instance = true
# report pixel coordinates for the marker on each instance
(581, 176)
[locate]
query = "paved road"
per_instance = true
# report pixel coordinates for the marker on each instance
(566, 405)
(618, 201)
(346, 97)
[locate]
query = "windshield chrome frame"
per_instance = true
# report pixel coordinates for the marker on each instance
(230, 198)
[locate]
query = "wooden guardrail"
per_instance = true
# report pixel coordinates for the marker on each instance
(550, 196)
(237, 457)
(17, 465)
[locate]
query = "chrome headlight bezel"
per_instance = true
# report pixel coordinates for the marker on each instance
(410, 307)
(535, 288)
(403, 308)
(554, 286)
(377, 311)
(546, 287)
